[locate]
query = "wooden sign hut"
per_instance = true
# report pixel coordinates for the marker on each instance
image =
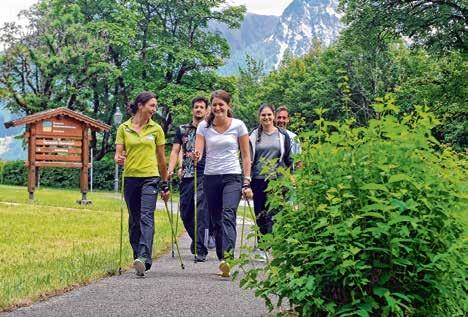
(58, 138)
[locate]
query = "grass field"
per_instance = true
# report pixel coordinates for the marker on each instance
(53, 244)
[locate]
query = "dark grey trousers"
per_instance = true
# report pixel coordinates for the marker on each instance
(140, 195)
(187, 212)
(223, 193)
(262, 213)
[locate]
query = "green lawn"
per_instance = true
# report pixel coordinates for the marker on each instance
(53, 243)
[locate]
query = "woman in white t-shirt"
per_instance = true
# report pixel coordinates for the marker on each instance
(223, 136)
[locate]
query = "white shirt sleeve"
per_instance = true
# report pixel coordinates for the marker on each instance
(242, 130)
(201, 129)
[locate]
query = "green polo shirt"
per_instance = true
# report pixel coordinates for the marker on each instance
(140, 148)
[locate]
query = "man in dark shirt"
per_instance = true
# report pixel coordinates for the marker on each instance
(184, 141)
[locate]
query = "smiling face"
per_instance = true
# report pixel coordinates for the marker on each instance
(282, 119)
(266, 117)
(219, 108)
(148, 108)
(199, 110)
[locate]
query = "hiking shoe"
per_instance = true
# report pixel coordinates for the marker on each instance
(139, 266)
(200, 258)
(211, 243)
(225, 269)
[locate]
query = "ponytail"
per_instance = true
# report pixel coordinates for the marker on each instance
(142, 98)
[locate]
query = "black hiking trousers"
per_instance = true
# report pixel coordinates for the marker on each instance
(140, 195)
(264, 217)
(223, 193)
(187, 207)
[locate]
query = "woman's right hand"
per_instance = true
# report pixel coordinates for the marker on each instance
(247, 193)
(196, 156)
(120, 159)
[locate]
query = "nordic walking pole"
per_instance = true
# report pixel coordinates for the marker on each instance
(121, 222)
(173, 236)
(172, 215)
(252, 214)
(243, 226)
(195, 211)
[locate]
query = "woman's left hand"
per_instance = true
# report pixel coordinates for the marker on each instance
(247, 193)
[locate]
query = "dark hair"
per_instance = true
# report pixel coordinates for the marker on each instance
(198, 99)
(223, 95)
(142, 98)
(260, 127)
(282, 108)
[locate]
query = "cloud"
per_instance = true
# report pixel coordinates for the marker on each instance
(265, 7)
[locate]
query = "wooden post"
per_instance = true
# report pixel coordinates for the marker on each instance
(32, 161)
(85, 162)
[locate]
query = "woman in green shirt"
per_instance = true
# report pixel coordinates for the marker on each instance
(140, 150)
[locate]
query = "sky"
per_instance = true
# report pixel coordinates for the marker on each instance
(10, 8)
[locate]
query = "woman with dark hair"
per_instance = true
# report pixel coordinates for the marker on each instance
(140, 149)
(269, 145)
(223, 136)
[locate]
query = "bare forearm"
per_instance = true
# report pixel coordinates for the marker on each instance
(174, 158)
(246, 166)
(162, 162)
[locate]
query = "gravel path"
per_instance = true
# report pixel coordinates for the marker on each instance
(167, 290)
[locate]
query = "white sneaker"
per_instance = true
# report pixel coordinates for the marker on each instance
(139, 266)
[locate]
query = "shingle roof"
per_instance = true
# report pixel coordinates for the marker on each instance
(39, 116)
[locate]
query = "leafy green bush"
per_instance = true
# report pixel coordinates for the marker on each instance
(60, 177)
(2, 165)
(373, 232)
(103, 174)
(15, 173)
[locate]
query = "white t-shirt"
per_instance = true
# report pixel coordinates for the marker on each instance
(222, 149)
(295, 145)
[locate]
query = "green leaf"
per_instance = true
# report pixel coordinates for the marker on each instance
(399, 204)
(399, 219)
(374, 186)
(355, 250)
(373, 215)
(399, 177)
(380, 291)
(372, 207)
(362, 313)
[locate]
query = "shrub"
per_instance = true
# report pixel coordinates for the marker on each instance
(14, 173)
(60, 177)
(103, 174)
(373, 232)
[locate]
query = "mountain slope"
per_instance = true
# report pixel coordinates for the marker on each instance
(302, 23)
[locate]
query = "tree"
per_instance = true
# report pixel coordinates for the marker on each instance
(439, 25)
(249, 81)
(95, 56)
